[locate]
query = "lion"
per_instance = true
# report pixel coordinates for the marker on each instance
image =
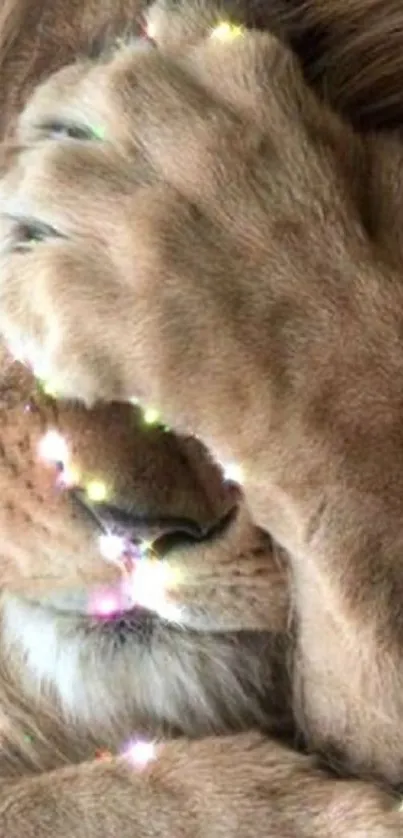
(125, 276)
(221, 667)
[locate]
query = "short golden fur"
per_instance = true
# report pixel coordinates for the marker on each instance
(241, 246)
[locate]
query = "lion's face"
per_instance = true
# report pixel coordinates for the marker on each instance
(195, 658)
(127, 483)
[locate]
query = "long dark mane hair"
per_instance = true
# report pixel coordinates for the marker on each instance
(350, 50)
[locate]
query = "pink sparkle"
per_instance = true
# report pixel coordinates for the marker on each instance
(107, 602)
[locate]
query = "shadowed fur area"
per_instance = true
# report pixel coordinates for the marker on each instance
(205, 222)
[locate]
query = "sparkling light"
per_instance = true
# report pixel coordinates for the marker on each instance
(50, 389)
(21, 350)
(26, 353)
(53, 448)
(140, 753)
(106, 602)
(148, 587)
(151, 31)
(233, 472)
(151, 416)
(111, 546)
(17, 351)
(98, 132)
(69, 477)
(226, 31)
(96, 491)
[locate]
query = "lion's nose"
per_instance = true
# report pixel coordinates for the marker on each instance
(164, 532)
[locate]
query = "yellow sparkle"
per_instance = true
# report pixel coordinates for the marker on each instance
(226, 31)
(96, 491)
(151, 416)
(50, 389)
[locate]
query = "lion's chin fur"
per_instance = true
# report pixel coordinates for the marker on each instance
(106, 683)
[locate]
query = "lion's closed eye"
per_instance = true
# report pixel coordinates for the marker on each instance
(59, 129)
(27, 233)
(55, 129)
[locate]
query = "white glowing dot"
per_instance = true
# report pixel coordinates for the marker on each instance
(151, 416)
(22, 350)
(226, 31)
(53, 447)
(233, 472)
(111, 546)
(96, 491)
(134, 401)
(149, 581)
(151, 30)
(39, 367)
(69, 477)
(148, 587)
(17, 352)
(140, 753)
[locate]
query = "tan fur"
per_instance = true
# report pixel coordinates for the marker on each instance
(68, 689)
(341, 46)
(282, 354)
